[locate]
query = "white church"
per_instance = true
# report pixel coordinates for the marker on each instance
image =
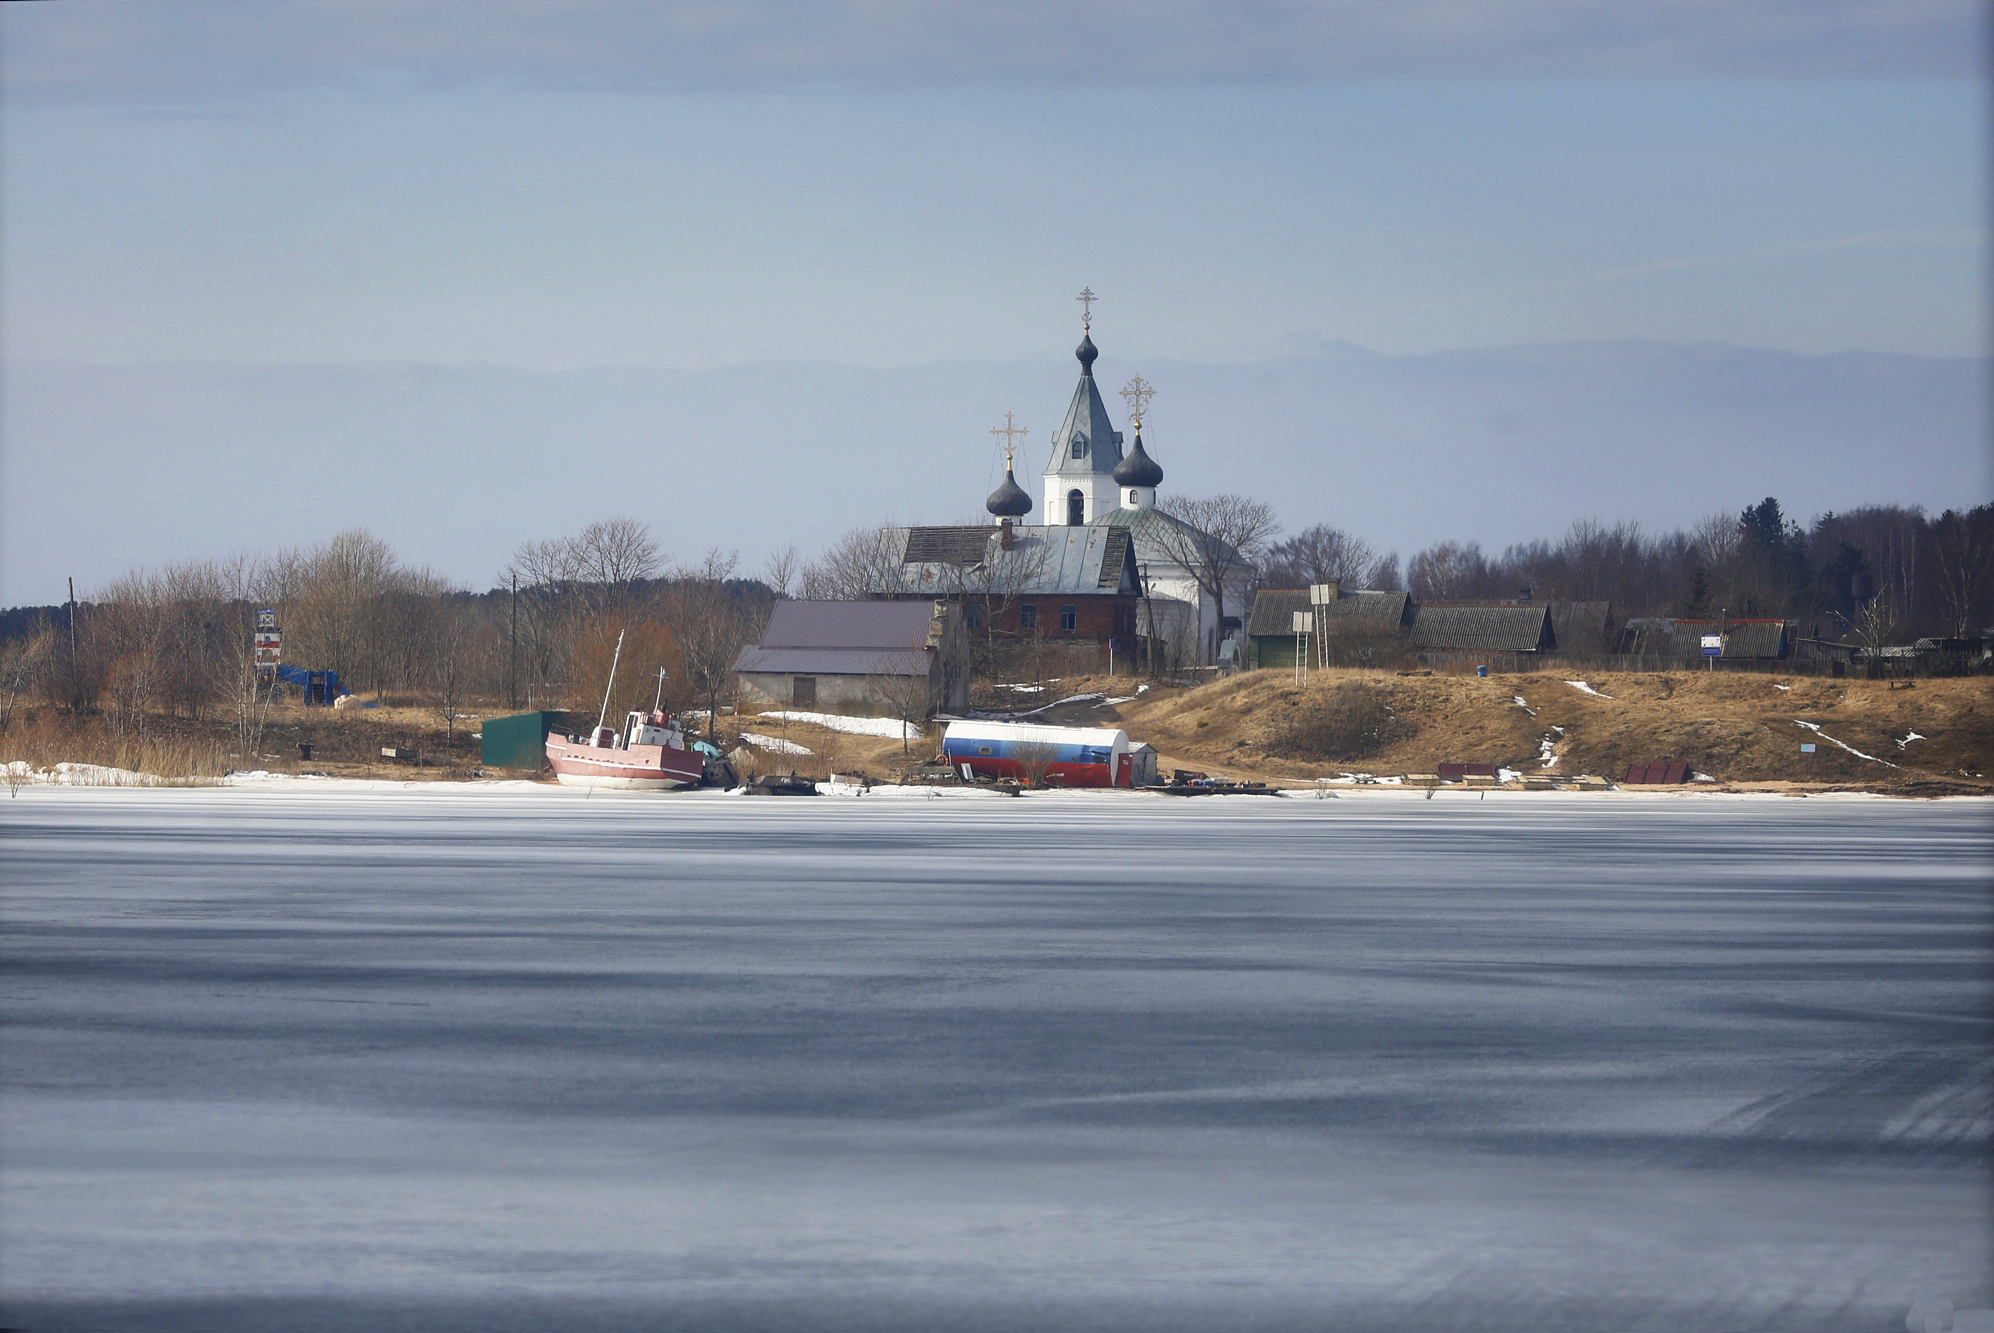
(1103, 564)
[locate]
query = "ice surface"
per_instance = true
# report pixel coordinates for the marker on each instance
(506, 1057)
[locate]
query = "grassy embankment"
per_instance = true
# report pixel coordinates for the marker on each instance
(1743, 730)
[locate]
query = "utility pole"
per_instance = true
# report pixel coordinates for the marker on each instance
(72, 644)
(512, 656)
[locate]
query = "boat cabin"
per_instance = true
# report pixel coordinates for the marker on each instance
(641, 729)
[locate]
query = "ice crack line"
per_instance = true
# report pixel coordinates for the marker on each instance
(1850, 748)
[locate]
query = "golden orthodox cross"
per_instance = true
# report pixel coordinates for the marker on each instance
(1010, 431)
(1137, 393)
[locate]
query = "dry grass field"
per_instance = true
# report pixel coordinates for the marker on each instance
(1744, 731)
(1737, 728)
(1922, 737)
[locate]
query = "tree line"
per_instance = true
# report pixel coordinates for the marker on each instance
(1881, 573)
(178, 641)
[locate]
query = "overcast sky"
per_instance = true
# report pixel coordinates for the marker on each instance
(564, 184)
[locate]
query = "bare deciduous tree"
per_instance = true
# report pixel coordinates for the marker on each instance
(1035, 759)
(448, 659)
(1220, 541)
(25, 664)
(862, 564)
(783, 570)
(1319, 554)
(568, 586)
(713, 619)
(903, 696)
(1448, 571)
(612, 556)
(1963, 566)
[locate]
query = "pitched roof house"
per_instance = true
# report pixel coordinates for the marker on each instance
(1483, 627)
(1270, 630)
(1678, 637)
(850, 656)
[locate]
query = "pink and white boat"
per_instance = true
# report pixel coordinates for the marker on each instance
(650, 755)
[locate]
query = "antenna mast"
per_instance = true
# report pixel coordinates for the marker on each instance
(603, 717)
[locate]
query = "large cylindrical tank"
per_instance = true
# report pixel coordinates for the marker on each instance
(1069, 756)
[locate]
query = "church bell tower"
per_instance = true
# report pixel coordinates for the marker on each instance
(1080, 481)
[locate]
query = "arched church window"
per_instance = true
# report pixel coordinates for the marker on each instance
(1076, 508)
(1132, 497)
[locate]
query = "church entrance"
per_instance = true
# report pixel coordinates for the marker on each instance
(1076, 509)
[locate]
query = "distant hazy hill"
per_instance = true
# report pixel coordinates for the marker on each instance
(107, 466)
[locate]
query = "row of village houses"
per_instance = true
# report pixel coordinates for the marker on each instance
(837, 654)
(1110, 579)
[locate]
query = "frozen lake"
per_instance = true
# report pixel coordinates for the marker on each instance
(515, 1059)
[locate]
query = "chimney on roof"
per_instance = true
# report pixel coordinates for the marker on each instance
(1005, 537)
(1335, 587)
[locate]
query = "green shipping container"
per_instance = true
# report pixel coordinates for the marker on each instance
(520, 741)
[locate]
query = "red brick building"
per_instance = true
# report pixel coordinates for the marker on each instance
(1057, 584)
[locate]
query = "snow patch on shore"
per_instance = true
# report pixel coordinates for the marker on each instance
(1815, 728)
(83, 775)
(774, 744)
(886, 727)
(1584, 688)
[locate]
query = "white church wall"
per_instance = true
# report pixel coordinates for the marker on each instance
(1101, 494)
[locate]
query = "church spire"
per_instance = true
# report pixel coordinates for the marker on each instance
(1079, 477)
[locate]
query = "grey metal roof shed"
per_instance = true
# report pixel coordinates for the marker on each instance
(841, 655)
(1482, 628)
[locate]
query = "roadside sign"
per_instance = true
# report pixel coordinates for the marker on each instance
(1304, 622)
(268, 641)
(1713, 645)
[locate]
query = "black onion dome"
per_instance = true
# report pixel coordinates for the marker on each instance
(1009, 500)
(1138, 469)
(1086, 353)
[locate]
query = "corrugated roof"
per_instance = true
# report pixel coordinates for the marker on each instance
(1578, 626)
(836, 661)
(1495, 629)
(1742, 638)
(1042, 562)
(867, 625)
(947, 546)
(1274, 608)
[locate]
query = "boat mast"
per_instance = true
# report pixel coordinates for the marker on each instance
(604, 716)
(659, 702)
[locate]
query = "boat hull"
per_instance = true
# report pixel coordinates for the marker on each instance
(639, 768)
